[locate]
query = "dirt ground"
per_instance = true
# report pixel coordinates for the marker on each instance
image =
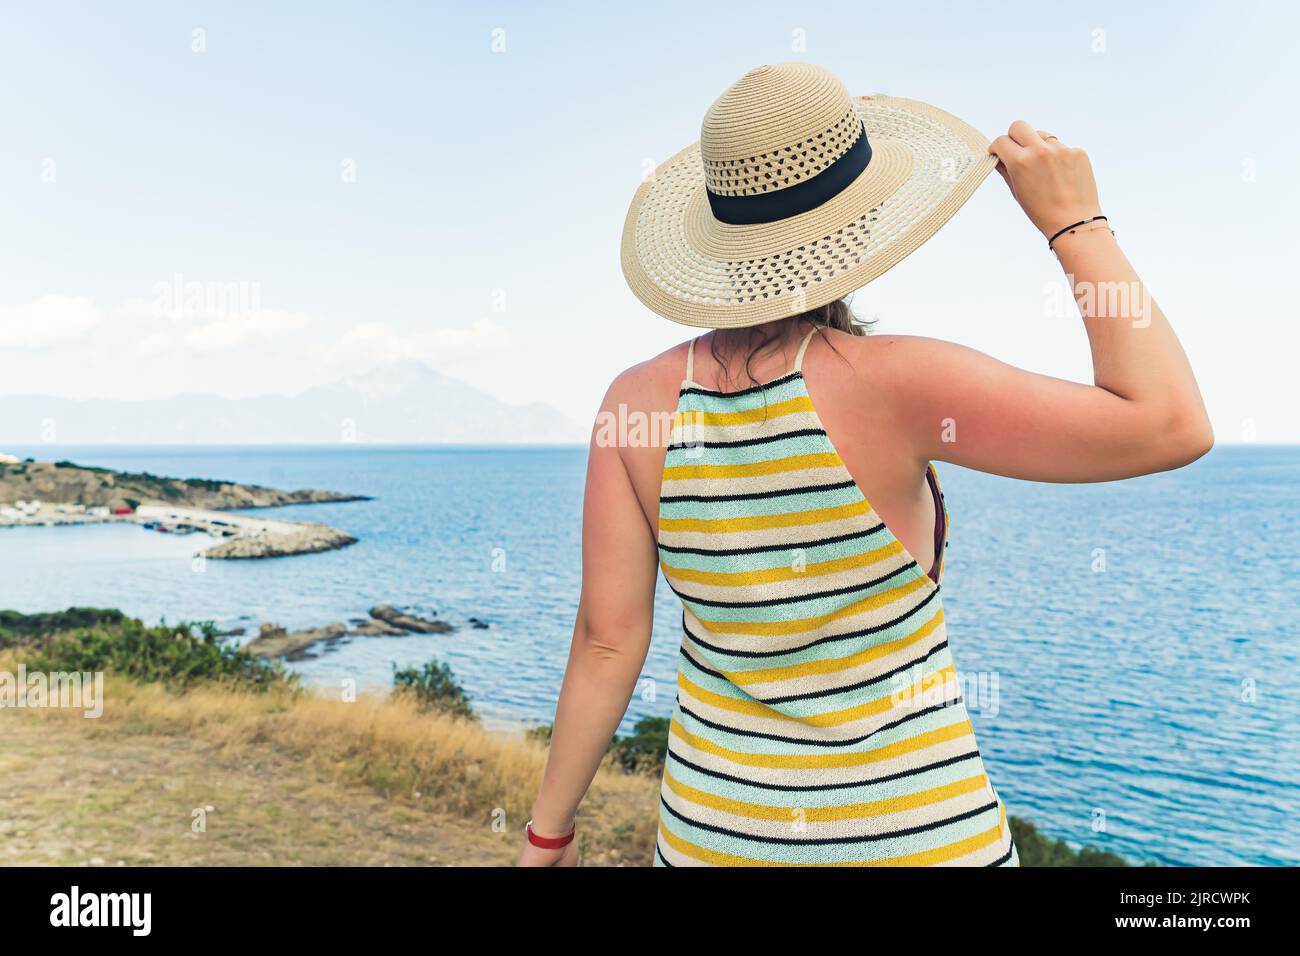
(72, 797)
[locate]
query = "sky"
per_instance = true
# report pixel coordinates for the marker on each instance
(245, 198)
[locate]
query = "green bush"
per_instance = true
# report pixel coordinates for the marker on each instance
(1035, 849)
(435, 687)
(17, 628)
(645, 750)
(178, 657)
(540, 733)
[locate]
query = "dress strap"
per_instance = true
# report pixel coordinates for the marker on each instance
(803, 347)
(690, 362)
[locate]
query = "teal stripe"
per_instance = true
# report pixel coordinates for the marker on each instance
(781, 558)
(743, 403)
(751, 454)
(831, 650)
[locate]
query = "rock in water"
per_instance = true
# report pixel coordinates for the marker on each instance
(377, 628)
(408, 622)
(275, 641)
(284, 539)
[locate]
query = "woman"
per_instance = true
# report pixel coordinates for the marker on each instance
(796, 512)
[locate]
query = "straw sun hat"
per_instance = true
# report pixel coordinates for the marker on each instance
(795, 195)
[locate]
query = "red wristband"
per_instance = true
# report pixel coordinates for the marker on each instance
(550, 843)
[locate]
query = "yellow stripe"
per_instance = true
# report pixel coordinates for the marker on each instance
(691, 417)
(922, 688)
(836, 664)
(850, 811)
(774, 575)
(776, 628)
(765, 522)
(824, 761)
(925, 858)
(754, 469)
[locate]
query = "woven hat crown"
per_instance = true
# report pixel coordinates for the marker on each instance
(776, 126)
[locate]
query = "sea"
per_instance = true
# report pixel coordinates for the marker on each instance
(1131, 649)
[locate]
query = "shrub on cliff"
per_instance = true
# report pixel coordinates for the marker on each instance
(435, 687)
(178, 657)
(17, 628)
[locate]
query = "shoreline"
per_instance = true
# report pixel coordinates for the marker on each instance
(51, 494)
(237, 537)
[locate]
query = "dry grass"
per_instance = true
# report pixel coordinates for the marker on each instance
(423, 769)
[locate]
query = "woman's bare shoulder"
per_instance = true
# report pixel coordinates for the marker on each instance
(885, 358)
(652, 383)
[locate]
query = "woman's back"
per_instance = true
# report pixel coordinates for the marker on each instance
(852, 382)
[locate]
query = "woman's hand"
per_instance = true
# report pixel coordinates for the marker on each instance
(1052, 182)
(566, 855)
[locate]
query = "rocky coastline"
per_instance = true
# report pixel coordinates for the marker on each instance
(62, 493)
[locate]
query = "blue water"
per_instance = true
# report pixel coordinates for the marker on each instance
(1140, 635)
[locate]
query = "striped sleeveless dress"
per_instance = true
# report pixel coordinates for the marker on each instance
(818, 719)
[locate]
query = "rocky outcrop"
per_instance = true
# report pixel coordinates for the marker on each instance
(63, 482)
(409, 622)
(291, 538)
(385, 621)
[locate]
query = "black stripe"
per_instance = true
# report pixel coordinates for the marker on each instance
(775, 602)
(803, 196)
(757, 495)
(660, 854)
(828, 841)
(745, 442)
(765, 548)
(847, 635)
(818, 787)
(786, 788)
(831, 692)
(1004, 857)
(845, 742)
(696, 390)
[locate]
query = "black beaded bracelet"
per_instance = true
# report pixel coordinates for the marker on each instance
(1081, 222)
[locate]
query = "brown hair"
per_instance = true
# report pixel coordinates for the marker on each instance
(770, 336)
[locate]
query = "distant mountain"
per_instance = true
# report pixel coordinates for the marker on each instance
(403, 401)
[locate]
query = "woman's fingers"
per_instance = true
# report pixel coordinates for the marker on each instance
(1052, 182)
(1024, 134)
(1007, 150)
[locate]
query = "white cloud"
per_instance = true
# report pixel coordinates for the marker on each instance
(232, 331)
(47, 321)
(373, 342)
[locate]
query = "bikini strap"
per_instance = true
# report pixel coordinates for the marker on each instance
(690, 362)
(803, 347)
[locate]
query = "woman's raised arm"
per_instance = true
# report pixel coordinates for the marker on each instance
(1142, 414)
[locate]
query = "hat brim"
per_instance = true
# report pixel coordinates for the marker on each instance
(688, 267)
